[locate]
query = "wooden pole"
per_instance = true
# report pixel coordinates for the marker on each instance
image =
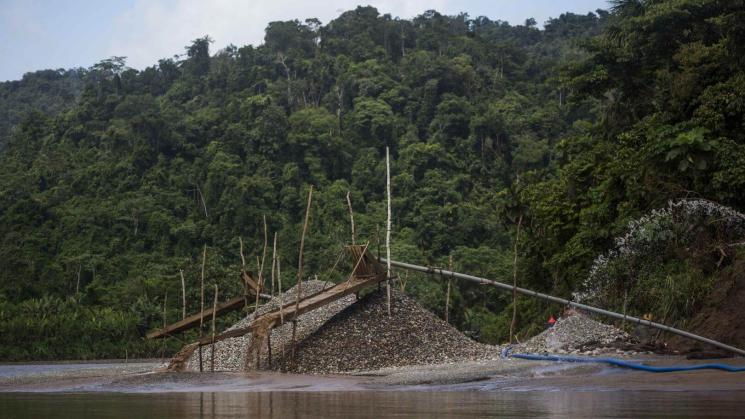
(351, 215)
(263, 253)
(269, 348)
(447, 296)
(514, 281)
(212, 347)
(259, 284)
(281, 303)
(388, 228)
(243, 271)
(77, 284)
(163, 347)
(183, 294)
(274, 263)
(201, 304)
(299, 285)
(292, 348)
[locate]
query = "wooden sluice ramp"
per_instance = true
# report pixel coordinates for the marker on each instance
(193, 320)
(367, 272)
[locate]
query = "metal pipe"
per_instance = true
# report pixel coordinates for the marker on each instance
(436, 271)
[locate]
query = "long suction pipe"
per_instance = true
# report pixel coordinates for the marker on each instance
(479, 280)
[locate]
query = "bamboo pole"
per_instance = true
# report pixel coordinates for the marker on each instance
(212, 347)
(351, 215)
(388, 228)
(263, 253)
(201, 305)
(274, 263)
(447, 296)
(269, 348)
(514, 282)
(163, 347)
(77, 284)
(292, 348)
(183, 294)
(281, 304)
(243, 271)
(299, 286)
(259, 283)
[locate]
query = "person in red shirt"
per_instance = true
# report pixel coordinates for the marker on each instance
(551, 321)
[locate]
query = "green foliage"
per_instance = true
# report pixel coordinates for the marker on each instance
(112, 179)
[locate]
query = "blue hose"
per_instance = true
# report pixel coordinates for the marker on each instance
(623, 364)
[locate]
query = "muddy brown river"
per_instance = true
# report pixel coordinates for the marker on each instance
(531, 390)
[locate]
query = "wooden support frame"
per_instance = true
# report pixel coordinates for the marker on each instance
(367, 272)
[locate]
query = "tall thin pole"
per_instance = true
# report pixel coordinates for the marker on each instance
(388, 228)
(351, 215)
(243, 272)
(281, 304)
(447, 296)
(274, 263)
(201, 305)
(183, 294)
(163, 347)
(259, 284)
(299, 285)
(212, 347)
(300, 256)
(514, 282)
(201, 292)
(263, 253)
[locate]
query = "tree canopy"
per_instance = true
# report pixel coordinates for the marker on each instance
(113, 179)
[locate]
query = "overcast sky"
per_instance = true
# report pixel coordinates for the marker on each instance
(37, 34)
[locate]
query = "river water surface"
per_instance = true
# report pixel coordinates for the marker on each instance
(113, 391)
(371, 404)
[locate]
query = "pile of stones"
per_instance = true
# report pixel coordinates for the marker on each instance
(576, 333)
(363, 337)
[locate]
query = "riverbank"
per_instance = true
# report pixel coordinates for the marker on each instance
(490, 375)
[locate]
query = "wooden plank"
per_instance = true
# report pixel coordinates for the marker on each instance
(193, 320)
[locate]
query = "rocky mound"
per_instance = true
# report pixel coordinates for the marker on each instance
(363, 337)
(574, 333)
(230, 353)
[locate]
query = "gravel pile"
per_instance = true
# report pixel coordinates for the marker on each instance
(230, 353)
(363, 337)
(574, 334)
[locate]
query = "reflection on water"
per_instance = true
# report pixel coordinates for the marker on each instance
(371, 404)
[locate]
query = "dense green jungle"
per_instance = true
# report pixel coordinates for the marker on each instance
(525, 152)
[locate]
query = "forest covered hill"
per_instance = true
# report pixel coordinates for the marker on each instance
(113, 179)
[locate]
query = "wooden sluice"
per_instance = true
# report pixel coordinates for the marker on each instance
(193, 320)
(367, 272)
